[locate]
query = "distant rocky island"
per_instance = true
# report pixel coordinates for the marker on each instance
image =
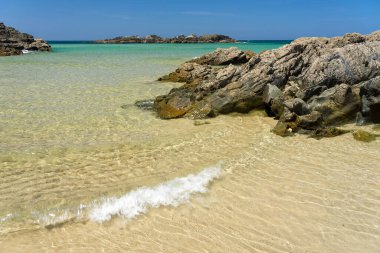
(13, 42)
(213, 38)
(310, 85)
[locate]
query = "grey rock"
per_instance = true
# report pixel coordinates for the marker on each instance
(312, 81)
(146, 104)
(297, 106)
(273, 100)
(270, 93)
(337, 104)
(370, 101)
(311, 121)
(223, 56)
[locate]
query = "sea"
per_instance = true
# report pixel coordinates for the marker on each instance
(83, 170)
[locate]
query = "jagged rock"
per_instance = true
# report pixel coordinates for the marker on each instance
(12, 42)
(312, 81)
(273, 100)
(310, 121)
(222, 56)
(199, 70)
(212, 38)
(298, 106)
(189, 72)
(336, 104)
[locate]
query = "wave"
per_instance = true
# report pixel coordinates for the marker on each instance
(132, 204)
(170, 193)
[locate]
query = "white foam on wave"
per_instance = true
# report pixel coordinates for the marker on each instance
(170, 193)
(6, 217)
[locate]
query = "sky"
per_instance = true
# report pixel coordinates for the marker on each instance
(240, 19)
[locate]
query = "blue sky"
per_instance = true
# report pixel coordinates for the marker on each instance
(241, 19)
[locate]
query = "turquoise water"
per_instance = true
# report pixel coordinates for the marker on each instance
(84, 84)
(64, 134)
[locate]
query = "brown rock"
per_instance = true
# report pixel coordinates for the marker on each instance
(12, 42)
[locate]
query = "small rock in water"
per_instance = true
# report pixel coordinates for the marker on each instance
(327, 132)
(145, 104)
(199, 123)
(365, 136)
(142, 104)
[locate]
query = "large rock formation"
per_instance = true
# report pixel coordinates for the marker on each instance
(308, 84)
(12, 42)
(213, 38)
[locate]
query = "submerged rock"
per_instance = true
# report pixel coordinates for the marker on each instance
(308, 84)
(200, 123)
(364, 136)
(327, 132)
(13, 42)
(146, 104)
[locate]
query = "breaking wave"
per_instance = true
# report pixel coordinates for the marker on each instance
(170, 193)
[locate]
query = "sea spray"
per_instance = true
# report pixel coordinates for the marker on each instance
(170, 193)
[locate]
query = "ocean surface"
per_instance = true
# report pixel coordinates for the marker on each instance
(83, 170)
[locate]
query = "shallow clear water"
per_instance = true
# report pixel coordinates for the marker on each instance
(61, 112)
(72, 161)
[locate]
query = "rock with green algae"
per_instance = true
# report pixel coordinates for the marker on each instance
(364, 136)
(283, 129)
(327, 132)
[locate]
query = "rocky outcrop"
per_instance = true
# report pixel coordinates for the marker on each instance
(213, 38)
(12, 42)
(308, 84)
